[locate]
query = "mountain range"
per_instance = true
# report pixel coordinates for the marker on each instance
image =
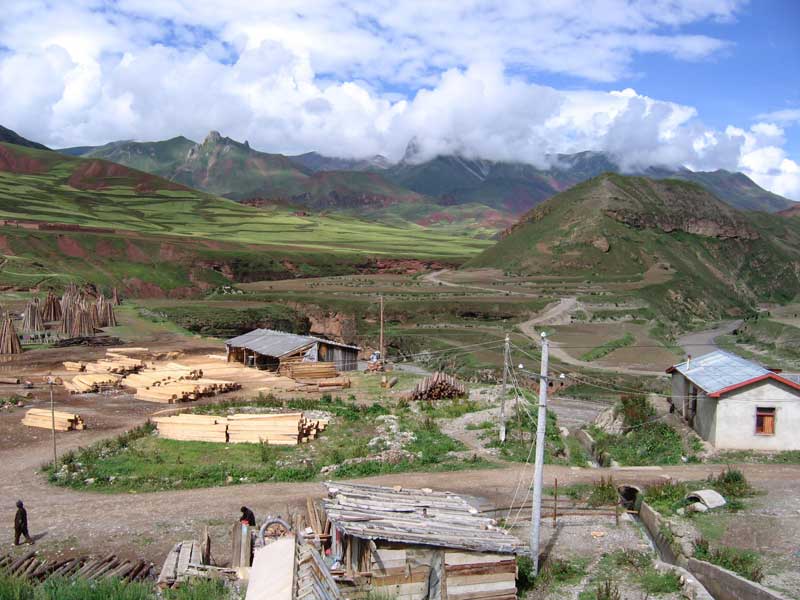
(447, 191)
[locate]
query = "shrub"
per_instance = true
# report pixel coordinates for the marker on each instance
(608, 590)
(636, 410)
(525, 576)
(603, 493)
(742, 562)
(731, 483)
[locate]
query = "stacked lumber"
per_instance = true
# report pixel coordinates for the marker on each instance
(198, 428)
(51, 310)
(121, 365)
(38, 417)
(310, 370)
(74, 366)
(438, 386)
(32, 321)
(160, 375)
(186, 391)
(32, 568)
(91, 382)
(9, 340)
(482, 576)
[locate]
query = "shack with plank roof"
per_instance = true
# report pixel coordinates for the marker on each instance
(272, 350)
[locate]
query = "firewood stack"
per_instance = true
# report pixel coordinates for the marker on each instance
(9, 340)
(438, 386)
(51, 311)
(29, 566)
(32, 321)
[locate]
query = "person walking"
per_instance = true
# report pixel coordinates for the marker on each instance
(21, 524)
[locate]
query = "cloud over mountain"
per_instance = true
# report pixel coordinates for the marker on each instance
(360, 78)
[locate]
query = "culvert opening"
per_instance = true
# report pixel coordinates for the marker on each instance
(629, 495)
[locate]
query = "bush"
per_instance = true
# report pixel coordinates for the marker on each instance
(636, 410)
(608, 590)
(603, 493)
(742, 562)
(667, 497)
(731, 483)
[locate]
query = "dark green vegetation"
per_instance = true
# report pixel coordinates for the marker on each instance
(220, 321)
(141, 461)
(12, 588)
(743, 562)
(690, 255)
(668, 497)
(644, 440)
(553, 573)
(12, 137)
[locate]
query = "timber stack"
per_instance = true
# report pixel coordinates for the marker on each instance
(32, 568)
(32, 321)
(92, 382)
(9, 340)
(309, 371)
(438, 386)
(37, 417)
(51, 310)
(160, 376)
(286, 429)
(186, 391)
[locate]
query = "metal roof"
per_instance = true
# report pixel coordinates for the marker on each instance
(719, 370)
(277, 343)
(416, 517)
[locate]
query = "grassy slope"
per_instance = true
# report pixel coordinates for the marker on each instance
(712, 276)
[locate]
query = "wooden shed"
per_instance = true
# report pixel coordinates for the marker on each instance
(270, 349)
(417, 544)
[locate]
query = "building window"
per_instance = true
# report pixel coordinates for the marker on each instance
(765, 420)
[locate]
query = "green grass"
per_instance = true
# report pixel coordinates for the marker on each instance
(12, 588)
(552, 574)
(746, 563)
(521, 434)
(228, 322)
(139, 461)
(652, 444)
(608, 348)
(786, 457)
(578, 457)
(666, 498)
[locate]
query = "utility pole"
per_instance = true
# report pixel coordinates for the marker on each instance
(506, 354)
(538, 473)
(382, 349)
(52, 420)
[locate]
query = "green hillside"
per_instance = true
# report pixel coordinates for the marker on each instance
(149, 211)
(12, 137)
(716, 261)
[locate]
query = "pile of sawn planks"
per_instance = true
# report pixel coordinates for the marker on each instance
(91, 382)
(189, 559)
(310, 370)
(186, 391)
(29, 566)
(115, 362)
(438, 386)
(287, 429)
(38, 417)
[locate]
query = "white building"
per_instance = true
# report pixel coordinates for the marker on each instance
(736, 404)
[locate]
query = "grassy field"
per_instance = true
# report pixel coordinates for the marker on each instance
(140, 461)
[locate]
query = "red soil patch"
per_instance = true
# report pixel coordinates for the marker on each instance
(436, 217)
(71, 247)
(17, 162)
(134, 253)
(171, 253)
(5, 245)
(100, 174)
(105, 249)
(405, 266)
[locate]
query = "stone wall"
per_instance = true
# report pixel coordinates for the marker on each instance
(727, 585)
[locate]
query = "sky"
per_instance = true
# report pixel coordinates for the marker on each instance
(705, 84)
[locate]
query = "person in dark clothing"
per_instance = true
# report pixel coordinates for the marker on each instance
(248, 517)
(21, 524)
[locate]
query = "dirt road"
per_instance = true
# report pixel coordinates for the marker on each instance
(702, 342)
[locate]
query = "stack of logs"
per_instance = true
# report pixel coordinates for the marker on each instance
(92, 383)
(38, 417)
(51, 311)
(287, 429)
(9, 340)
(309, 370)
(29, 566)
(186, 391)
(32, 321)
(84, 311)
(438, 386)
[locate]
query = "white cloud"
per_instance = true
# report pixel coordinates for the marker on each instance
(787, 116)
(362, 77)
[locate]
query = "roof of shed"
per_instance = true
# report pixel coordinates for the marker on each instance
(278, 343)
(720, 372)
(396, 515)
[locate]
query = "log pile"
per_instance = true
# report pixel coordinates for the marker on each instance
(92, 382)
(83, 311)
(37, 417)
(186, 391)
(161, 375)
(287, 429)
(29, 566)
(51, 310)
(9, 340)
(438, 386)
(335, 383)
(309, 371)
(105, 312)
(195, 428)
(32, 321)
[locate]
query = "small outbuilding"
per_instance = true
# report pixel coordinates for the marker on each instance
(410, 544)
(270, 349)
(736, 404)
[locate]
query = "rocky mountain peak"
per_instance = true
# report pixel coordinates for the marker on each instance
(213, 137)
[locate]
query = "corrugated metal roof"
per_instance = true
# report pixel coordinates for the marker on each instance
(417, 517)
(719, 370)
(277, 343)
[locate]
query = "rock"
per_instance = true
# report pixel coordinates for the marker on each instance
(609, 422)
(601, 244)
(681, 511)
(698, 507)
(89, 481)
